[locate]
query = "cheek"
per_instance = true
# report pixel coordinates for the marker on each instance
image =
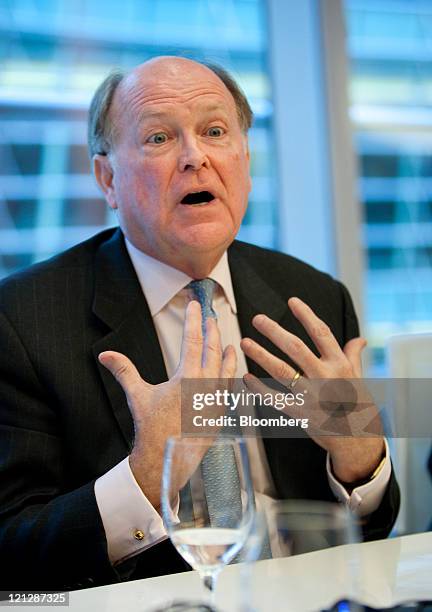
(239, 172)
(143, 182)
(241, 160)
(155, 178)
(124, 179)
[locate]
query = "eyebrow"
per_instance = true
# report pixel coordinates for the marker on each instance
(155, 114)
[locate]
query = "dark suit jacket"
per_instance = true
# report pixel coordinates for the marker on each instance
(64, 420)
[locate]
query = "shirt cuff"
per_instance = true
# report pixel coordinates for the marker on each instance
(131, 523)
(366, 498)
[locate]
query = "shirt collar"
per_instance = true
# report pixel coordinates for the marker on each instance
(160, 282)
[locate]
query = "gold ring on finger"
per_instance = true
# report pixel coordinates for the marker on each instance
(295, 380)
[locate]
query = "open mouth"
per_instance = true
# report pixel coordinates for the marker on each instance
(199, 198)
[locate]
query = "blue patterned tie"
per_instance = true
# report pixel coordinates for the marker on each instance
(202, 291)
(219, 467)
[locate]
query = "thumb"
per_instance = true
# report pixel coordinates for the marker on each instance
(352, 350)
(123, 371)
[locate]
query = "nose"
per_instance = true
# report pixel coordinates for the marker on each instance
(192, 156)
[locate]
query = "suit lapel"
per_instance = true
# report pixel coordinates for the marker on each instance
(120, 304)
(255, 295)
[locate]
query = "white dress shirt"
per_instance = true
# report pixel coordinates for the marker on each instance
(131, 523)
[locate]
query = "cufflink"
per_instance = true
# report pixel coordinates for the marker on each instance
(138, 534)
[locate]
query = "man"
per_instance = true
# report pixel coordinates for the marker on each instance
(81, 449)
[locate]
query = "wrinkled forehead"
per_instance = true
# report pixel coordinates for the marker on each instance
(164, 87)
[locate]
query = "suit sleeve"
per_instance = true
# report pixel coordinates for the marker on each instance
(50, 537)
(377, 525)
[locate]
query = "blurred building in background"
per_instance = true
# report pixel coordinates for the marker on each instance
(390, 49)
(54, 53)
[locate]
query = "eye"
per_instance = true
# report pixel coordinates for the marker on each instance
(159, 138)
(215, 132)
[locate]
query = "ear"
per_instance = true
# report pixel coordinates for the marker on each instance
(246, 146)
(248, 158)
(104, 174)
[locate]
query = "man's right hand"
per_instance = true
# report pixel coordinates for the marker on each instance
(156, 409)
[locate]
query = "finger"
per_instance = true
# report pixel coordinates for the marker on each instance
(229, 362)
(290, 344)
(255, 385)
(353, 350)
(317, 330)
(286, 403)
(277, 368)
(123, 371)
(212, 355)
(192, 342)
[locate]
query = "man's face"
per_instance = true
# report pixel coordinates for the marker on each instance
(180, 162)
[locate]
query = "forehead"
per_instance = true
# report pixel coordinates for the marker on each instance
(165, 88)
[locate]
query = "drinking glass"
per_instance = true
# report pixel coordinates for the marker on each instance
(207, 502)
(314, 564)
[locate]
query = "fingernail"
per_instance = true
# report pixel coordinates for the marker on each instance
(259, 319)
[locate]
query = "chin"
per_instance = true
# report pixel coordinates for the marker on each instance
(203, 239)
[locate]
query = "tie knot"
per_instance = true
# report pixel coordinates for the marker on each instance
(202, 291)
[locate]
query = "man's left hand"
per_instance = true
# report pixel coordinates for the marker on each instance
(353, 458)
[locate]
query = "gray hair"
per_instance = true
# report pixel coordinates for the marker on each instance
(101, 129)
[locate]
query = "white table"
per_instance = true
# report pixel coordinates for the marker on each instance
(387, 572)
